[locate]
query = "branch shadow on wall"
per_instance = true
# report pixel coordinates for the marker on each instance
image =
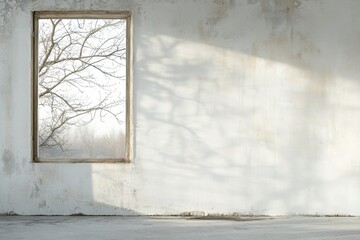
(239, 120)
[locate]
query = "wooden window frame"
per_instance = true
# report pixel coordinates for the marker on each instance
(126, 15)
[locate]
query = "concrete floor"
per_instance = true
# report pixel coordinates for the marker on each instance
(87, 228)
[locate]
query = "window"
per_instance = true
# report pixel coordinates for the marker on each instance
(81, 87)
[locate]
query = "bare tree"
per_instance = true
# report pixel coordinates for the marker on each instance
(88, 141)
(79, 64)
(110, 143)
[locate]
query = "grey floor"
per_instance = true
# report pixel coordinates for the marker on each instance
(87, 228)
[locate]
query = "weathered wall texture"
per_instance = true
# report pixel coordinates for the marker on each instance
(239, 106)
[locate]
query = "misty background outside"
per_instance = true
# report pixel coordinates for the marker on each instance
(81, 88)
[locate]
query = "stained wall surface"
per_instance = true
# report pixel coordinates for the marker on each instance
(248, 107)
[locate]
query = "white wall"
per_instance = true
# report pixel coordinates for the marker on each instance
(239, 106)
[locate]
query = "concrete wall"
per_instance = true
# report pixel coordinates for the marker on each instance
(239, 106)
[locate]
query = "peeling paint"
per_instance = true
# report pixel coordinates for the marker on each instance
(278, 5)
(35, 193)
(279, 11)
(9, 162)
(10, 213)
(218, 11)
(42, 204)
(7, 9)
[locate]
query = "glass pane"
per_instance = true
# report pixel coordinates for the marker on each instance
(82, 88)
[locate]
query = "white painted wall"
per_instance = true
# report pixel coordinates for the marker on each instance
(239, 106)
